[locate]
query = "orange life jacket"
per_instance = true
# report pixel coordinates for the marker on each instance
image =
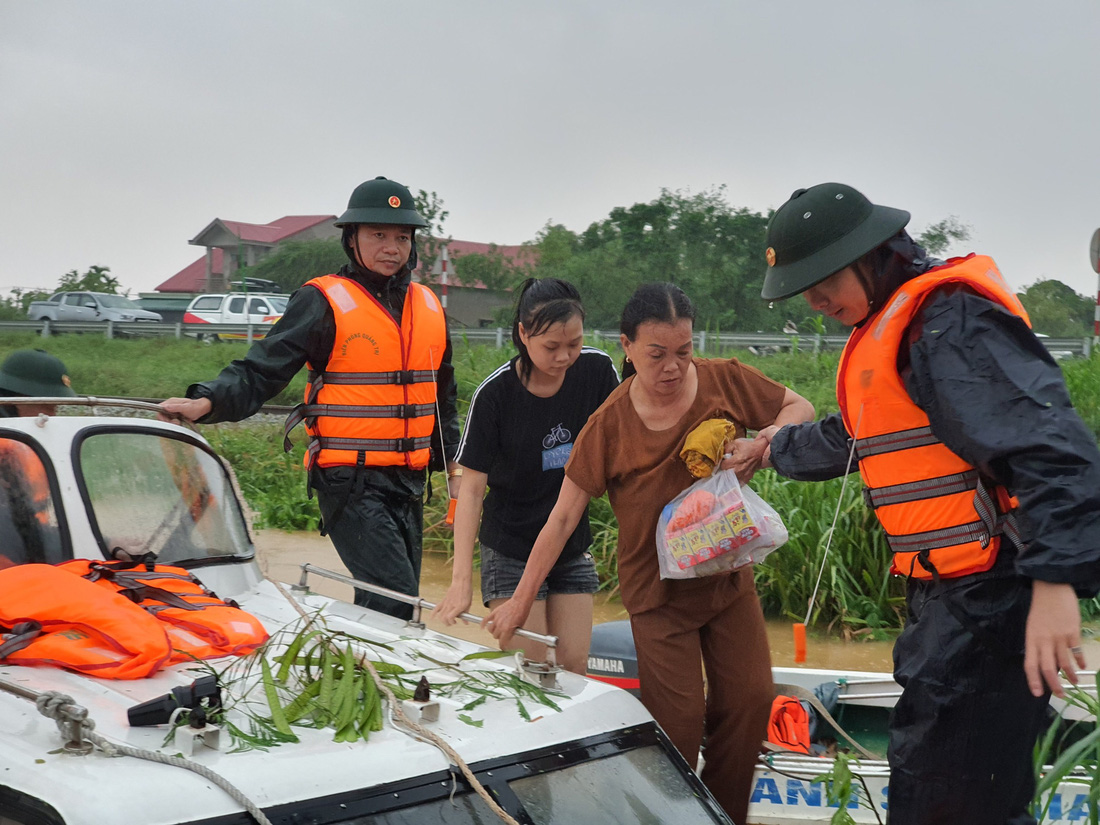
(198, 623)
(374, 404)
(789, 724)
(933, 505)
(48, 616)
(22, 469)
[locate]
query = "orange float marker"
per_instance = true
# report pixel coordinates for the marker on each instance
(799, 642)
(451, 511)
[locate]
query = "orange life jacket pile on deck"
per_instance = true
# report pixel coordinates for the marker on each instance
(117, 620)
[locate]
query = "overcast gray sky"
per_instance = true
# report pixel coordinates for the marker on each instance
(126, 126)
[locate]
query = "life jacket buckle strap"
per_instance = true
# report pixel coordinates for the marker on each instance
(297, 415)
(21, 635)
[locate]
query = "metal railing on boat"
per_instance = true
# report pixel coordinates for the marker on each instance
(419, 604)
(83, 401)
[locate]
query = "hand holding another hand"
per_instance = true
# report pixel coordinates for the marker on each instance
(747, 455)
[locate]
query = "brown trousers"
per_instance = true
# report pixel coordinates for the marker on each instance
(726, 630)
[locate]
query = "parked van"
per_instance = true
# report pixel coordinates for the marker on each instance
(260, 309)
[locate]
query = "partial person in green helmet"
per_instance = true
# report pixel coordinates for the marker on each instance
(33, 373)
(982, 474)
(379, 408)
(28, 519)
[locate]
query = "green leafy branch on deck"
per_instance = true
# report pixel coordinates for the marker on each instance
(320, 680)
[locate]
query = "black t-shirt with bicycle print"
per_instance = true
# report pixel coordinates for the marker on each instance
(522, 443)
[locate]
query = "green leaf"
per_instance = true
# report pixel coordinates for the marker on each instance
(278, 716)
(288, 658)
(488, 654)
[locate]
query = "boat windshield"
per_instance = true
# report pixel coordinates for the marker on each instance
(647, 788)
(635, 779)
(151, 492)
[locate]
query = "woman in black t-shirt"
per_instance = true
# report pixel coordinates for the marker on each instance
(519, 433)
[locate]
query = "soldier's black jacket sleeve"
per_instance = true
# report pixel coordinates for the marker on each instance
(996, 398)
(815, 451)
(305, 333)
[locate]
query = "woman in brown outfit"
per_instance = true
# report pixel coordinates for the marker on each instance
(630, 448)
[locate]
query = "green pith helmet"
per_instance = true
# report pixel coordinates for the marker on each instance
(381, 201)
(34, 373)
(820, 231)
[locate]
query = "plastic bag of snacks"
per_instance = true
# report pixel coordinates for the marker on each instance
(715, 526)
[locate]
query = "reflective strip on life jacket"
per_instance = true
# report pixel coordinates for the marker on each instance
(305, 412)
(394, 377)
(83, 627)
(199, 624)
(941, 518)
(917, 490)
(891, 442)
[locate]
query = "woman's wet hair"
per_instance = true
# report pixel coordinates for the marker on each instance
(542, 303)
(664, 303)
(890, 264)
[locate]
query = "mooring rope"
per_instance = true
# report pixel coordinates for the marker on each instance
(49, 704)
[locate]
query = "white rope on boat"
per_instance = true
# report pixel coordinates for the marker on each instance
(49, 704)
(836, 515)
(398, 717)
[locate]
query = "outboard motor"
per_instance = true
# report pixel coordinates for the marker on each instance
(612, 657)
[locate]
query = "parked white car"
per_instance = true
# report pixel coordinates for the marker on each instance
(89, 306)
(260, 309)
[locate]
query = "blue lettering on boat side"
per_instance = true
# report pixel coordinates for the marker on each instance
(799, 793)
(766, 791)
(810, 795)
(555, 459)
(1078, 810)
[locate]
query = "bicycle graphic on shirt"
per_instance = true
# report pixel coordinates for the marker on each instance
(558, 435)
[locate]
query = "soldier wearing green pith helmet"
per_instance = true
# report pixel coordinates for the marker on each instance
(983, 476)
(380, 403)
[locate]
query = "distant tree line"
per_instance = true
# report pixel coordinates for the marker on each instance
(715, 251)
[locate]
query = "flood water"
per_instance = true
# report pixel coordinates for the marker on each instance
(280, 555)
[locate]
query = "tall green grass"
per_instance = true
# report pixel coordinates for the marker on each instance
(857, 595)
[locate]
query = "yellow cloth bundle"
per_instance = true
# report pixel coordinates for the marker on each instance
(705, 445)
